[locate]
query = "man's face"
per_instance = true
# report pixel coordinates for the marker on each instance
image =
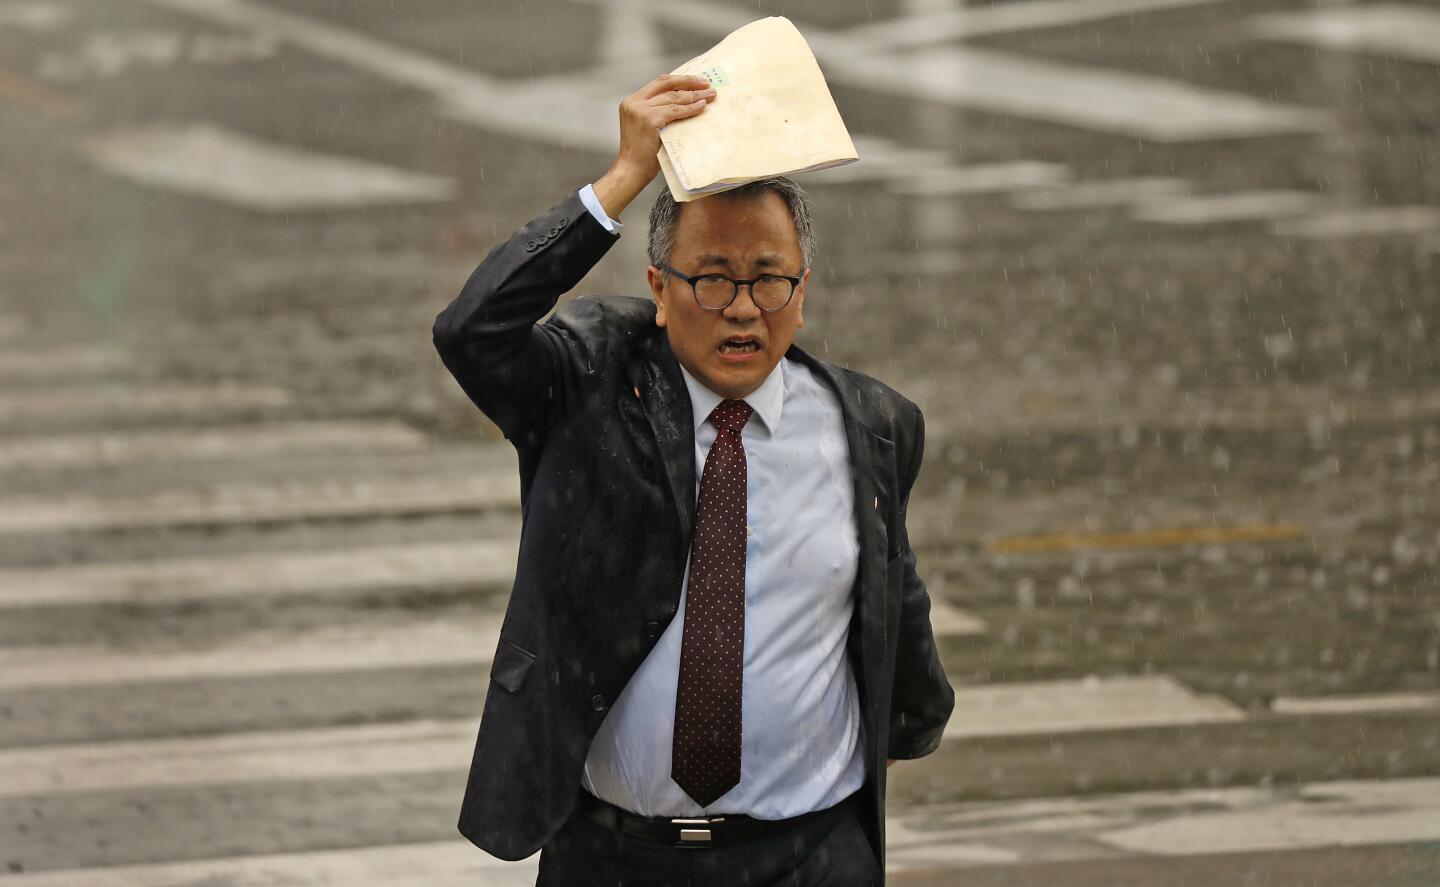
(741, 238)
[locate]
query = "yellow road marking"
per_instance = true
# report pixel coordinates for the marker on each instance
(1148, 538)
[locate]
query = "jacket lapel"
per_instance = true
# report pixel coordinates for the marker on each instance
(868, 452)
(667, 405)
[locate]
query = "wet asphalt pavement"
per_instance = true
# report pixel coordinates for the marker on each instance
(1164, 276)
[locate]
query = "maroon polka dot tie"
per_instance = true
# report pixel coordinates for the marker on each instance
(706, 761)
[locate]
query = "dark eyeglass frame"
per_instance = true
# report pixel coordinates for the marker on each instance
(692, 279)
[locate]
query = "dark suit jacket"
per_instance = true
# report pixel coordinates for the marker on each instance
(595, 405)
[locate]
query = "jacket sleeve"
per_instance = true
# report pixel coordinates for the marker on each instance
(517, 371)
(922, 698)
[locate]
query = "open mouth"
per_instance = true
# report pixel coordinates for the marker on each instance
(740, 345)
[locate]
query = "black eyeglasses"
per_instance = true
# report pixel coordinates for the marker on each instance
(715, 292)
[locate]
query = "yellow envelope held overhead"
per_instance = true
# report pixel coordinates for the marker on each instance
(772, 115)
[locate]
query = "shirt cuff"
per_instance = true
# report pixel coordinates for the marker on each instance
(592, 203)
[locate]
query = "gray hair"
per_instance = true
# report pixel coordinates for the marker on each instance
(665, 216)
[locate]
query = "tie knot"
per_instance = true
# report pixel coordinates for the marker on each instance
(730, 415)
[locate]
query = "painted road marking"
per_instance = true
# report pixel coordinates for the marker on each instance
(1388, 29)
(884, 159)
(1368, 222)
(946, 836)
(570, 109)
(429, 745)
(35, 16)
(1148, 538)
(945, 618)
(259, 175)
(110, 53)
(346, 46)
(1083, 97)
(1358, 704)
(97, 403)
(454, 862)
(31, 363)
(367, 750)
(1346, 814)
(466, 640)
(103, 449)
(1186, 822)
(456, 642)
(959, 23)
(1086, 704)
(986, 178)
(296, 499)
(1238, 206)
(348, 571)
(355, 570)
(1023, 86)
(1112, 192)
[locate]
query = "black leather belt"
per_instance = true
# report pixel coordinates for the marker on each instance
(696, 832)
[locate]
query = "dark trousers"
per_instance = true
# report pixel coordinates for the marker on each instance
(830, 849)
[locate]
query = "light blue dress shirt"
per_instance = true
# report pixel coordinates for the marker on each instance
(802, 745)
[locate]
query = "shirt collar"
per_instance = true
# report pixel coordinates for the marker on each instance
(767, 400)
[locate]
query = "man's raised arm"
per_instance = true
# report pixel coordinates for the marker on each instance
(514, 369)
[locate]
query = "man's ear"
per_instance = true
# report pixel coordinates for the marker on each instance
(800, 299)
(656, 278)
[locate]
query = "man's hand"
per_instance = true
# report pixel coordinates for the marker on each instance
(643, 113)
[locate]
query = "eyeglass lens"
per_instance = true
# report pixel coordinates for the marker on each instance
(768, 292)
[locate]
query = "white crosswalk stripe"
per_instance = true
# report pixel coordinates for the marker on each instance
(1113, 192)
(961, 22)
(36, 16)
(1356, 704)
(1023, 86)
(259, 175)
(1012, 709)
(327, 753)
(457, 641)
(948, 619)
(241, 442)
(450, 863)
(32, 363)
(1364, 222)
(1390, 29)
(1186, 822)
(949, 836)
(239, 502)
(352, 570)
(1347, 814)
(884, 160)
(101, 402)
(1088, 98)
(982, 179)
(1237, 206)
(429, 745)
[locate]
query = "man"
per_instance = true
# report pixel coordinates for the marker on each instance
(717, 641)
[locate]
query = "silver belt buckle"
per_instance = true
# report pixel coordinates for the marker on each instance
(694, 837)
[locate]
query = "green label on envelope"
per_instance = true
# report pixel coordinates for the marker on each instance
(716, 75)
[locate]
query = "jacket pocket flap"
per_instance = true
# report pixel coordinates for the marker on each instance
(511, 664)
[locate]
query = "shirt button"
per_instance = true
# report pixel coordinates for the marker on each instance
(597, 702)
(749, 530)
(652, 629)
